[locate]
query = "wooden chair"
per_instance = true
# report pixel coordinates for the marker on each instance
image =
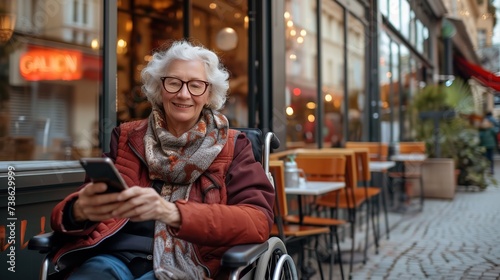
(345, 199)
(412, 147)
(323, 169)
(286, 231)
(378, 151)
(369, 193)
(410, 169)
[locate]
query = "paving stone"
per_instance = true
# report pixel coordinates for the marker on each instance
(449, 239)
(489, 274)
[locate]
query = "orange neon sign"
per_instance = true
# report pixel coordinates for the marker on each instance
(50, 64)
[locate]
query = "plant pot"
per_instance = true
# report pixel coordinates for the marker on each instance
(439, 178)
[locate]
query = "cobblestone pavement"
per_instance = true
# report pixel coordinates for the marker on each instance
(457, 239)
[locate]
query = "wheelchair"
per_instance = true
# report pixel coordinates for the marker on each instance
(268, 260)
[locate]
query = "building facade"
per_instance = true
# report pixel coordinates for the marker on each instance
(316, 72)
(348, 74)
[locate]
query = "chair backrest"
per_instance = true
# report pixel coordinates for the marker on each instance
(255, 137)
(320, 168)
(412, 147)
(277, 169)
(378, 151)
(351, 180)
(362, 164)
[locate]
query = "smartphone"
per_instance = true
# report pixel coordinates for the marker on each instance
(104, 170)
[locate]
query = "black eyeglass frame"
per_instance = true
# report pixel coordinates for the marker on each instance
(182, 85)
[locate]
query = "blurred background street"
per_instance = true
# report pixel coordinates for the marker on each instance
(450, 239)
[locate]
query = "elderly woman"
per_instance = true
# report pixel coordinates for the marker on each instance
(196, 188)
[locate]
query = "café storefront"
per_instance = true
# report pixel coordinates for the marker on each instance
(70, 72)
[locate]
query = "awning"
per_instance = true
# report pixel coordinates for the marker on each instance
(485, 77)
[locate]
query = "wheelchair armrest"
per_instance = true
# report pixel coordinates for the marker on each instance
(45, 242)
(243, 255)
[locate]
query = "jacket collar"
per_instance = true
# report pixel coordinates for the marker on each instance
(136, 138)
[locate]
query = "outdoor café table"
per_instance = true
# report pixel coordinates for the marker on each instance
(410, 158)
(413, 157)
(313, 188)
(382, 167)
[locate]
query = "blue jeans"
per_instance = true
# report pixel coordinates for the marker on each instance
(106, 267)
(489, 153)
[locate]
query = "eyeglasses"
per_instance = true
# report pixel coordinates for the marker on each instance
(174, 85)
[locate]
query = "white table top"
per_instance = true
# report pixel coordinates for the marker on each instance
(409, 157)
(316, 188)
(379, 166)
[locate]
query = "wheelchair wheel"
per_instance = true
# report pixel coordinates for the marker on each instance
(269, 263)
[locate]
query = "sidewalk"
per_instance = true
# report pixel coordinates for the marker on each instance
(456, 239)
(450, 239)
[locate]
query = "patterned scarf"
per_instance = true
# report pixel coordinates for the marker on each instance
(179, 162)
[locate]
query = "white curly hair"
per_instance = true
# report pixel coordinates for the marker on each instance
(217, 75)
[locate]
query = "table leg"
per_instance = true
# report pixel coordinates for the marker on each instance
(301, 212)
(385, 200)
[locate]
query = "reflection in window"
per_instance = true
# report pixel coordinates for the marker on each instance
(356, 74)
(426, 44)
(412, 28)
(385, 86)
(383, 7)
(405, 19)
(49, 94)
(419, 36)
(406, 93)
(301, 72)
(395, 92)
(146, 25)
(395, 13)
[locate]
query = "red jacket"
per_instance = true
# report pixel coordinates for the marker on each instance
(244, 213)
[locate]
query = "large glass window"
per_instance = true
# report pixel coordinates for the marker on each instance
(51, 63)
(426, 42)
(405, 19)
(385, 86)
(143, 26)
(395, 92)
(413, 27)
(395, 13)
(333, 76)
(407, 87)
(419, 36)
(356, 74)
(301, 72)
(383, 7)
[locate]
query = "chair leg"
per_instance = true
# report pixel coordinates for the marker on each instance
(421, 193)
(391, 192)
(333, 231)
(339, 254)
(386, 217)
(376, 222)
(367, 233)
(384, 204)
(353, 242)
(318, 259)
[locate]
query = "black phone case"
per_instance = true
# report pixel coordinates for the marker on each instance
(103, 170)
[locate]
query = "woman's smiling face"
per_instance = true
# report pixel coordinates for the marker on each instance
(182, 110)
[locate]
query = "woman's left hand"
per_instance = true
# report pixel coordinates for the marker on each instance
(144, 204)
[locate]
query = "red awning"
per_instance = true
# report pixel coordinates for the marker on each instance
(484, 76)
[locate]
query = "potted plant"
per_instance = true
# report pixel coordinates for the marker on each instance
(442, 116)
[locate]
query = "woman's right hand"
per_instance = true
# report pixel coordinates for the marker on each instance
(93, 205)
